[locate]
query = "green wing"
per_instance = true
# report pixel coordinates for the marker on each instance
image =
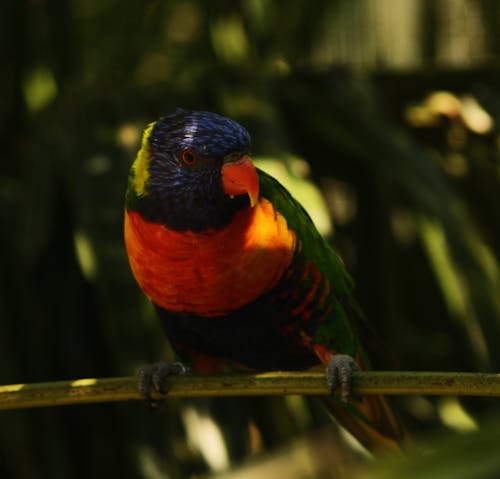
(338, 331)
(314, 246)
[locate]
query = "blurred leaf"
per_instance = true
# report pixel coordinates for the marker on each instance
(469, 456)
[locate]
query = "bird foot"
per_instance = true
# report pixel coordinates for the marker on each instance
(153, 378)
(339, 372)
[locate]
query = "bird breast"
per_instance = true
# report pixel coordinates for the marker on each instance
(214, 272)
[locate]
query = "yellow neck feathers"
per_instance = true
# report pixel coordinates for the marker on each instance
(141, 163)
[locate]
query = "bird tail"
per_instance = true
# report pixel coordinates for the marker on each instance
(371, 421)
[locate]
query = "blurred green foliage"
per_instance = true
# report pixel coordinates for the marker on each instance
(394, 107)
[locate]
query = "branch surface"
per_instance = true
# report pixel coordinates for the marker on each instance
(81, 391)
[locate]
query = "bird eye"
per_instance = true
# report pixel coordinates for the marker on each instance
(189, 156)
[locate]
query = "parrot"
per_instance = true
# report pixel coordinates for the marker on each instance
(239, 276)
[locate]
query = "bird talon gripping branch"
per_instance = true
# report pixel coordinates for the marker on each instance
(339, 371)
(153, 377)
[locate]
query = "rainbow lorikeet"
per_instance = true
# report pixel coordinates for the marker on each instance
(238, 273)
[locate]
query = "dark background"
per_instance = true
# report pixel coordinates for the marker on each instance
(393, 105)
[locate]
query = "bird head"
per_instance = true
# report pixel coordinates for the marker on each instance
(193, 171)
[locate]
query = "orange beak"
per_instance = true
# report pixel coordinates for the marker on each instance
(239, 178)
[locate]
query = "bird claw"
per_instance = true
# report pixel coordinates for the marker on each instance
(339, 372)
(153, 378)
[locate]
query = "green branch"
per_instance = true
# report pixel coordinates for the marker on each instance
(82, 391)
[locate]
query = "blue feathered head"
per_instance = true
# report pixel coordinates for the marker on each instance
(178, 176)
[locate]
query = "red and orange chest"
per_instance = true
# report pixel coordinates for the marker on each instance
(214, 272)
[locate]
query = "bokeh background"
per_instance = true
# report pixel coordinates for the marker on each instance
(382, 116)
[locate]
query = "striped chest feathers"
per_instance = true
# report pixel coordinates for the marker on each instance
(210, 273)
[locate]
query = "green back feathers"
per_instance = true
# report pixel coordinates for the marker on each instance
(314, 246)
(337, 332)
